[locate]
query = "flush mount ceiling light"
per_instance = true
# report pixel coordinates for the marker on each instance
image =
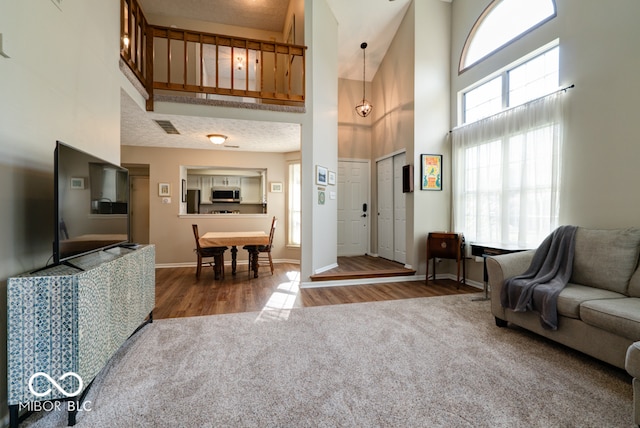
(365, 107)
(217, 138)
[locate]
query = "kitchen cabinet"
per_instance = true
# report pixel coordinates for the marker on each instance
(250, 182)
(250, 190)
(193, 182)
(226, 181)
(203, 184)
(206, 183)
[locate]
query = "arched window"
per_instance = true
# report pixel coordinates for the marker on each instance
(502, 22)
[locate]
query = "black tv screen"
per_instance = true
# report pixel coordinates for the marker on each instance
(91, 203)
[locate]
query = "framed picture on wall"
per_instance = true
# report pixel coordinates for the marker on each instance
(77, 183)
(276, 187)
(331, 178)
(430, 172)
(321, 175)
(164, 189)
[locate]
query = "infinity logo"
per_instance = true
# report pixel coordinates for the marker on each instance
(54, 383)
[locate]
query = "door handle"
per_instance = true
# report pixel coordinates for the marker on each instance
(363, 215)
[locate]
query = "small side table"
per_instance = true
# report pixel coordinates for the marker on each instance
(487, 250)
(445, 245)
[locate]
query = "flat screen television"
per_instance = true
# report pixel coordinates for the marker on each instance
(91, 199)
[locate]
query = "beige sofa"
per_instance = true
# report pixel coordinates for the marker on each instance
(598, 310)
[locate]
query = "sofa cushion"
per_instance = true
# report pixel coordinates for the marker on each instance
(605, 258)
(618, 316)
(573, 295)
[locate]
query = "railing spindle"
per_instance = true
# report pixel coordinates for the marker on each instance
(201, 62)
(186, 60)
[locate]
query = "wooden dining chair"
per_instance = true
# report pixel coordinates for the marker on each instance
(264, 251)
(214, 254)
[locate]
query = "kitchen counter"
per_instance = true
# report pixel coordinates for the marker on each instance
(221, 216)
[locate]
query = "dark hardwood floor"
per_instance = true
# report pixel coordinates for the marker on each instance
(180, 294)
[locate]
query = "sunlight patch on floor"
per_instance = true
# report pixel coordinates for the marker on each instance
(279, 305)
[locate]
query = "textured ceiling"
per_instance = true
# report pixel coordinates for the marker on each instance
(139, 129)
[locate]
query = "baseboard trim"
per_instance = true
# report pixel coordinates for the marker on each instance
(325, 268)
(360, 281)
(381, 280)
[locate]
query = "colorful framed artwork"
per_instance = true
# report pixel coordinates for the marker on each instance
(431, 172)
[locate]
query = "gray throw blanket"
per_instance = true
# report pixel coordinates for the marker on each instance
(539, 286)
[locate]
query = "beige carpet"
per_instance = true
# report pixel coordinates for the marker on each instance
(426, 362)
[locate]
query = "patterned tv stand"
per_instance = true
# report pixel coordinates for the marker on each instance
(73, 319)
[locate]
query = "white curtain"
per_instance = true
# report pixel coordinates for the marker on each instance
(506, 174)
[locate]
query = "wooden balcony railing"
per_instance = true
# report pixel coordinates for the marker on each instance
(186, 61)
(133, 38)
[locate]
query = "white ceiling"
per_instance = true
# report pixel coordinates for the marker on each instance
(266, 15)
(371, 21)
(138, 128)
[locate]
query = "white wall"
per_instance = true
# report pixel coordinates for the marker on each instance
(411, 112)
(431, 209)
(319, 138)
(598, 53)
(61, 83)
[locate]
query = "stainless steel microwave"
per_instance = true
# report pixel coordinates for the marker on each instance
(229, 194)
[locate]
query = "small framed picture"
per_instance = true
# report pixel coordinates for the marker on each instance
(321, 175)
(321, 197)
(276, 187)
(332, 178)
(77, 183)
(184, 190)
(164, 189)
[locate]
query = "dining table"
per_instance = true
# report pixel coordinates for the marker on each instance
(251, 241)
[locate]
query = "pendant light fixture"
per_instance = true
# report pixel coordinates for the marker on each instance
(365, 107)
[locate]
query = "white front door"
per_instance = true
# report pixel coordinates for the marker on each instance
(353, 208)
(385, 208)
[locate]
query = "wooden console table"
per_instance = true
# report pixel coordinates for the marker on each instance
(445, 245)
